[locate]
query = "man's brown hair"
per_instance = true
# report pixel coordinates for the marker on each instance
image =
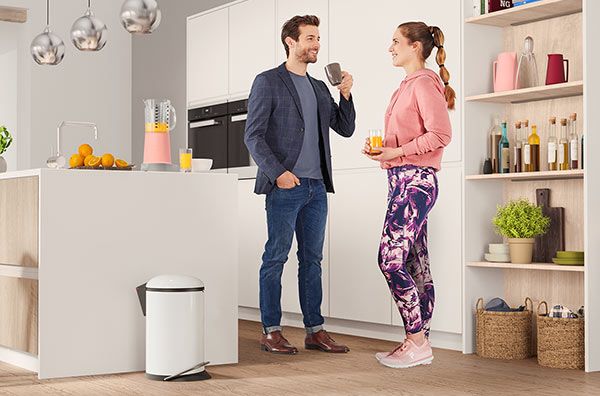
(292, 28)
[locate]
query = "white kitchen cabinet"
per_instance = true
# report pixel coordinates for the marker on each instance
(253, 235)
(286, 9)
(364, 53)
(358, 290)
(445, 253)
(207, 57)
(251, 43)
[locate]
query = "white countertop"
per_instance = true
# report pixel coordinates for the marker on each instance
(41, 171)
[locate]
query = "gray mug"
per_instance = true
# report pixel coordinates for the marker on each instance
(334, 73)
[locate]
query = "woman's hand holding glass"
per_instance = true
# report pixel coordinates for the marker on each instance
(384, 153)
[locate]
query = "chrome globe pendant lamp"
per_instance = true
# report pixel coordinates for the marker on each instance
(88, 33)
(47, 48)
(140, 16)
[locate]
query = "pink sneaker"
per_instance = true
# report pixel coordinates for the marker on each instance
(381, 355)
(408, 355)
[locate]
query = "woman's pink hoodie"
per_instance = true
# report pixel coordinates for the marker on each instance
(417, 119)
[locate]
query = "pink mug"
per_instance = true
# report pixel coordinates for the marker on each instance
(505, 72)
(556, 73)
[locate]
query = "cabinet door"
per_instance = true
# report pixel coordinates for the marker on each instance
(445, 253)
(251, 43)
(364, 52)
(253, 235)
(358, 290)
(252, 238)
(207, 55)
(286, 9)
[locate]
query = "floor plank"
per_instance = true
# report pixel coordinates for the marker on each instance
(311, 372)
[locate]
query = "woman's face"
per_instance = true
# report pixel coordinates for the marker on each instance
(403, 52)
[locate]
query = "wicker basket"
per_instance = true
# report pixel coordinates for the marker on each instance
(504, 335)
(560, 341)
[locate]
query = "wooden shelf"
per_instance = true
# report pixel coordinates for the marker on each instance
(547, 175)
(527, 13)
(17, 271)
(532, 266)
(543, 92)
(13, 14)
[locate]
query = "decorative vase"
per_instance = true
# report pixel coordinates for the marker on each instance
(3, 165)
(521, 250)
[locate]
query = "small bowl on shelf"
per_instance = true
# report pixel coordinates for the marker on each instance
(498, 248)
(497, 258)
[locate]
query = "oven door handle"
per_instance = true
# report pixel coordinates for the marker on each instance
(202, 124)
(239, 117)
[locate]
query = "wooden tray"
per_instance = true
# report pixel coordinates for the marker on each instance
(114, 168)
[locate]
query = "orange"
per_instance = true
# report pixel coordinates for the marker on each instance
(87, 159)
(108, 161)
(95, 162)
(85, 150)
(76, 160)
(121, 163)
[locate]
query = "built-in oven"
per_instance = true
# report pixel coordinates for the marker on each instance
(217, 132)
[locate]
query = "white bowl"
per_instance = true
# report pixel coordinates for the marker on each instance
(201, 164)
(497, 258)
(498, 248)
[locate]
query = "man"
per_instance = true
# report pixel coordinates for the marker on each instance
(287, 134)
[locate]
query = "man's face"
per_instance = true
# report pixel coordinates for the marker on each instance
(307, 47)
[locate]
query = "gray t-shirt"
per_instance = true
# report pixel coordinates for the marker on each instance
(309, 161)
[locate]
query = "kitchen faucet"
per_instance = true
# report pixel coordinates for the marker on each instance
(58, 161)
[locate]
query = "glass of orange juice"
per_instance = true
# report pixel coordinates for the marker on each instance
(375, 140)
(185, 160)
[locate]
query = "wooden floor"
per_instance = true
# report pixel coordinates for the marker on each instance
(311, 372)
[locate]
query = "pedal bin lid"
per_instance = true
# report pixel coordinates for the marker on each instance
(174, 283)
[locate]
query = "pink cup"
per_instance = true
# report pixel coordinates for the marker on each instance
(505, 72)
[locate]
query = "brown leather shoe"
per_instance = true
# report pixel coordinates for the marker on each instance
(274, 342)
(323, 342)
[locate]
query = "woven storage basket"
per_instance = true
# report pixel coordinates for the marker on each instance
(560, 341)
(504, 335)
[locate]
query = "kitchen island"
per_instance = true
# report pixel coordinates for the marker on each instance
(74, 244)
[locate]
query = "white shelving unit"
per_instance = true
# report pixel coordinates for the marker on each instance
(557, 26)
(532, 266)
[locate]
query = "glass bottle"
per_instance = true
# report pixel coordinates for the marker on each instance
(526, 148)
(573, 142)
(582, 154)
(534, 147)
(495, 136)
(504, 151)
(518, 149)
(552, 145)
(563, 146)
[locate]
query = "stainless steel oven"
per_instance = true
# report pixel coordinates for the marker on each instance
(217, 132)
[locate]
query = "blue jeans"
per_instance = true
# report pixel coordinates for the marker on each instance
(303, 210)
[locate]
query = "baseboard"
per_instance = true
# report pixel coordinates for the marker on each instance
(20, 359)
(439, 339)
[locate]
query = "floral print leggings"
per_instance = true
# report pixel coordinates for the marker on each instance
(403, 256)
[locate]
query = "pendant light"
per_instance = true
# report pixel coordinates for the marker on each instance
(47, 48)
(88, 33)
(140, 16)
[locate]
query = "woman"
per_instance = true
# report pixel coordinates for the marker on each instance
(417, 128)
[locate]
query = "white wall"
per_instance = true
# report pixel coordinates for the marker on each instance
(159, 69)
(92, 87)
(8, 87)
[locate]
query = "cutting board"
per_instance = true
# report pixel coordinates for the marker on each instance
(547, 245)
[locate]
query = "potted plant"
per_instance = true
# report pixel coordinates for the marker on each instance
(5, 141)
(520, 222)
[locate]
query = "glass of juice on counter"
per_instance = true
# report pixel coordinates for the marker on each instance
(375, 140)
(185, 160)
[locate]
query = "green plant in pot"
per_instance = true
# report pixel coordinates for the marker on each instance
(520, 222)
(5, 141)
